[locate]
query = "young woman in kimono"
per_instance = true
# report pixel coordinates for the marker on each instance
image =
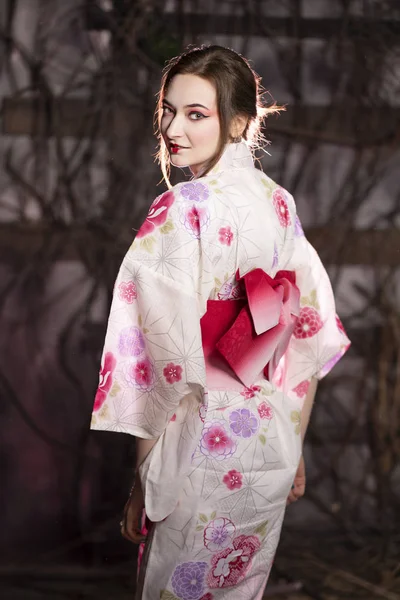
(222, 321)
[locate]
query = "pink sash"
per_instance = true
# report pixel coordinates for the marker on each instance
(245, 339)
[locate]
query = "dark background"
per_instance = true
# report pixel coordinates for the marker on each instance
(78, 81)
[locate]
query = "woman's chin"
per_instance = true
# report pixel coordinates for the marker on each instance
(178, 161)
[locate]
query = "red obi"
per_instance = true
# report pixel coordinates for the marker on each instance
(247, 337)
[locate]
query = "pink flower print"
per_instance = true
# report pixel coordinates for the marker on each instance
(225, 235)
(172, 373)
(173, 418)
(216, 441)
(196, 219)
(233, 480)
(140, 375)
(265, 411)
(281, 207)
(105, 379)
(340, 325)
(308, 323)
(218, 534)
(143, 373)
(131, 342)
(302, 388)
(250, 392)
(157, 214)
(203, 412)
(195, 192)
(127, 292)
(229, 566)
(243, 422)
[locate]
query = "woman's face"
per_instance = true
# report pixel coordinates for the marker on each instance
(190, 122)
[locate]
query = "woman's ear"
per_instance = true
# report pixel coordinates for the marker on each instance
(238, 126)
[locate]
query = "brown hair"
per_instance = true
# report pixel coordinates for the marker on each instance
(239, 93)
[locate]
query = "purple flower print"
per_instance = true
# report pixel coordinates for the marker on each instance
(243, 422)
(219, 534)
(195, 192)
(131, 342)
(230, 290)
(188, 580)
(275, 258)
(298, 229)
(331, 363)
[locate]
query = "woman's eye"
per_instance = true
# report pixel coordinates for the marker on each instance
(166, 110)
(195, 116)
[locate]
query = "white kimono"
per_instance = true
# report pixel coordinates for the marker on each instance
(216, 482)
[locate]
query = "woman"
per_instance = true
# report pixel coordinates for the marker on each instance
(222, 321)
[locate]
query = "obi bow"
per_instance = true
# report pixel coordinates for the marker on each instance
(253, 333)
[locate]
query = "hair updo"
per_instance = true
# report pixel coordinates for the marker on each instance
(238, 89)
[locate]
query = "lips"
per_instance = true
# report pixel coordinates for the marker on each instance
(175, 148)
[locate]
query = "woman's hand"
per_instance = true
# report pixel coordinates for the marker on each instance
(132, 520)
(299, 483)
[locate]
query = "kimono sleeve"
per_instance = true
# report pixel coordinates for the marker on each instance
(153, 354)
(319, 339)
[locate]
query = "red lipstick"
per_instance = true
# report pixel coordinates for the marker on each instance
(175, 148)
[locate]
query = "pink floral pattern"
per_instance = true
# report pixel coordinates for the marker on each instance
(225, 235)
(265, 411)
(340, 325)
(203, 412)
(281, 207)
(233, 480)
(250, 392)
(195, 220)
(302, 388)
(308, 323)
(157, 215)
(105, 380)
(219, 534)
(229, 566)
(216, 441)
(127, 291)
(172, 373)
(140, 374)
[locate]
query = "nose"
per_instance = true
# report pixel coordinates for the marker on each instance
(175, 127)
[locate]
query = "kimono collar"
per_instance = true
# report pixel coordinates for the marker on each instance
(235, 156)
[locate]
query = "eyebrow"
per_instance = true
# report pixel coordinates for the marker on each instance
(187, 105)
